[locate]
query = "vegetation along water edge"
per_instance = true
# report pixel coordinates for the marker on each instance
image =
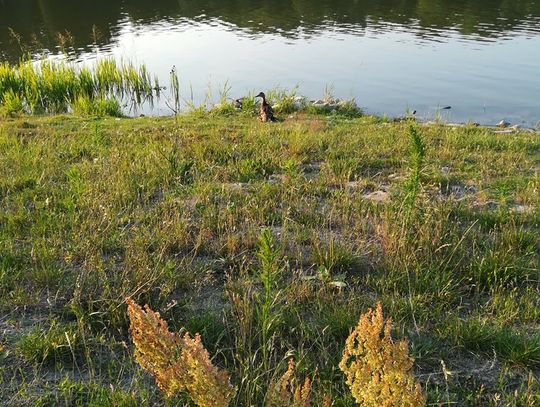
(304, 262)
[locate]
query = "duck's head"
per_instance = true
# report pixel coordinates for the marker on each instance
(261, 95)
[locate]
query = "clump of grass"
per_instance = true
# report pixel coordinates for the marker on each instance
(268, 305)
(226, 106)
(250, 169)
(283, 101)
(509, 344)
(60, 343)
(256, 319)
(13, 103)
(78, 393)
(86, 106)
(180, 170)
(417, 158)
(52, 86)
(332, 106)
(249, 104)
(333, 260)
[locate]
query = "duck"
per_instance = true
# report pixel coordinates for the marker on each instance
(266, 114)
(237, 103)
(503, 124)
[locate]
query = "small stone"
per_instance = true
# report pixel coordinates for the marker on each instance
(352, 185)
(503, 124)
(377, 196)
(523, 209)
(237, 186)
(490, 205)
(276, 178)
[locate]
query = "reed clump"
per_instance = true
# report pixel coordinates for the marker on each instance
(56, 86)
(86, 106)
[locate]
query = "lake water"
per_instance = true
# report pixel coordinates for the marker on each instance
(481, 57)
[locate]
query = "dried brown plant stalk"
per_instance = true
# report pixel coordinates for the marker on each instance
(288, 392)
(178, 363)
(379, 370)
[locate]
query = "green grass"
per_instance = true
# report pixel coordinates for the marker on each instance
(58, 343)
(266, 240)
(58, 87)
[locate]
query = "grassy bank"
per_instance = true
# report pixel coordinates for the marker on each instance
(439, 224)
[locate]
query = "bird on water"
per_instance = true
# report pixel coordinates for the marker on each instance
(266, 114)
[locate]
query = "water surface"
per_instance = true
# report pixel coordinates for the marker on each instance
(480, 57)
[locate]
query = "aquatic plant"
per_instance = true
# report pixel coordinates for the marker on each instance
(86, 106)
(174, 104)
(55, 86)
(13, 103)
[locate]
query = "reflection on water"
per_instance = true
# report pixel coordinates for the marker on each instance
(480, 56)
(39, 21)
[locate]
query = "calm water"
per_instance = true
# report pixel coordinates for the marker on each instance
(482, 57)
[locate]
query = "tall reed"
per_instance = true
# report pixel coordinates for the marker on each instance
(174, 104)
(53, 86)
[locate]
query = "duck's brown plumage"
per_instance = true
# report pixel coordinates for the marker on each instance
(266, 114)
